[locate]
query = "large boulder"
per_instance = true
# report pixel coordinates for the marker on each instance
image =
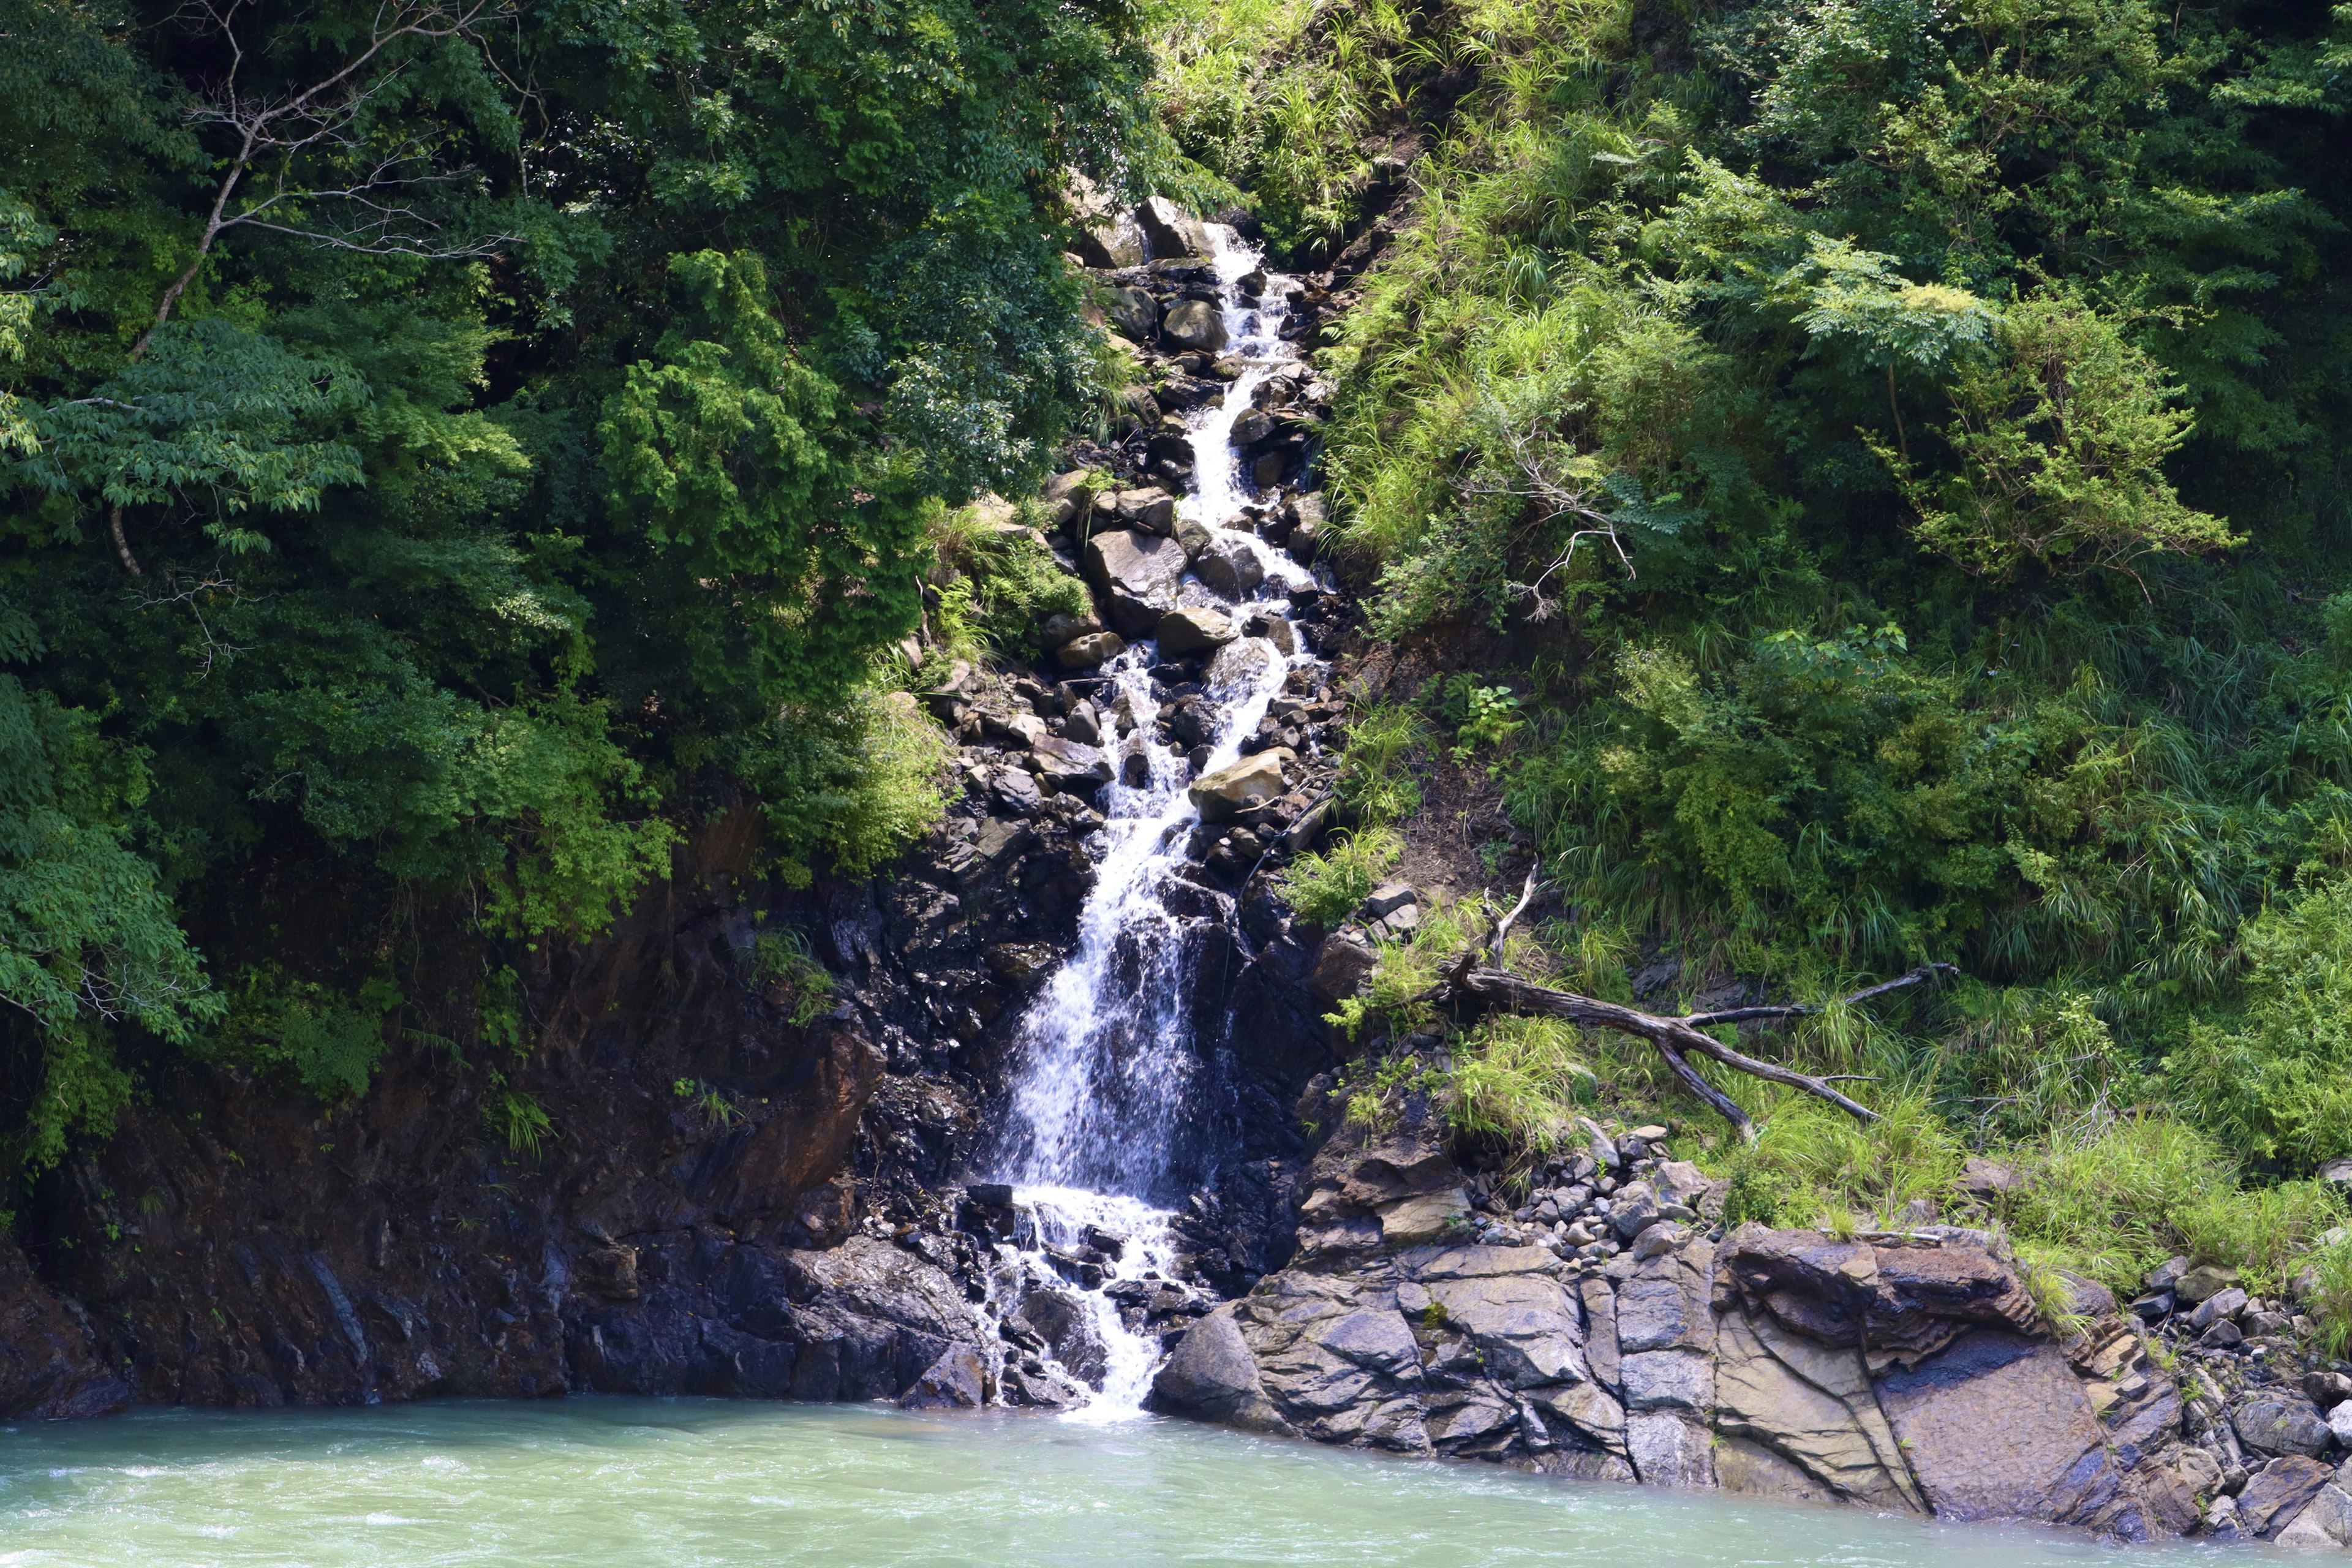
(1228, 565)
(1192, 630)
(1137, 576)
(1996, 1426)
(1194, 325)
(1170, 231)
(1136, 313)
(1090, 651)
(1237, 787)
(1213, 1375)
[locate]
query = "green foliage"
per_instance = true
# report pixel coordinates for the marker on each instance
(2061, 443)
(2279, 1085)
(1376, 780)
(460, 541)
(1812, 1164)
(327, 1043)
(781, 959)
(520, 1120)
(1520, 1082)
(1325, 888)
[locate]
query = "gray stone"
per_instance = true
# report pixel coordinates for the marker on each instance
(1134, 313)
(1213, 1375)
(1633, 1209)
(1070, 764)
(1189, 631)
(1274, 629)
(2325, 1523)
(2226, 1303)
(1090, 652)
(2273, 1497)
(1149, 510)
(1059, 629)
(2207, 1280)
(1137, 576)
(1812, 1407)
(1342, 964)
(1228, 565)
(1170, 231)
(1243, 664)
(1193, 325)
(1238, 786)
(1387, 897)
(1996, 1425)
(1669, 1451)
(1068, 497)
(951, 1382)
(1668, 1379)
(2281, 1423)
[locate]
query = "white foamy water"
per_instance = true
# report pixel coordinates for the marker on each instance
(1111, 1057)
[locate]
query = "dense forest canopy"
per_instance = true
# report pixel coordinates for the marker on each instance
(449, 444)
(1875, 470)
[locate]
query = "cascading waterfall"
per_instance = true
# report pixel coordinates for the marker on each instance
(1111, 1060)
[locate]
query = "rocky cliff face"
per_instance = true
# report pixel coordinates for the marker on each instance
(738, 1193)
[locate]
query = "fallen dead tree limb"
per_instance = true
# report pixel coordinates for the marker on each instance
(1676, 1040)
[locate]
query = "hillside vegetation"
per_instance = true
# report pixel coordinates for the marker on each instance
(1883, 466)
(451, 448)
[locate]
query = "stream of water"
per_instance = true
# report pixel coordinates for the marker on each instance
(1111, 1062)
(623, 1483)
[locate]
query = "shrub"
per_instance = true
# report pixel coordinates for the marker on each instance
(1326, 887)
(1520, 1081)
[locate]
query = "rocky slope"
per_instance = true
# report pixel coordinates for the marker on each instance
(1632, 1339)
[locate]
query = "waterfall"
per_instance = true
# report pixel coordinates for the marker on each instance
(1111, 1061)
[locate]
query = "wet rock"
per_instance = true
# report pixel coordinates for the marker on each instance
(1137, 576)
(1090, 651)
(1059, 629)
(2280, 1423)
(1250, 427)
(1243, 662)
(1228, 566)
(1134, 313)
(1170, 231)
(2209, 1280)
(951, 1382)
(1212, 1375)
(1275, 630)
(1189, 631)
(1192, 324)
(51, 1365)
(1219, 795)
(2273, 1497)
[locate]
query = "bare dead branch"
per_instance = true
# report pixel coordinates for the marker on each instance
(1804, 1009)
(325, 113)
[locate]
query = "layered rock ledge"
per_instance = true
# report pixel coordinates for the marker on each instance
(1903, 1372)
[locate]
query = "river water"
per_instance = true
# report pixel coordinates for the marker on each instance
(626, 1483)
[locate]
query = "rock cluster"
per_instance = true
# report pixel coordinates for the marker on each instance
(1903, 1371)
